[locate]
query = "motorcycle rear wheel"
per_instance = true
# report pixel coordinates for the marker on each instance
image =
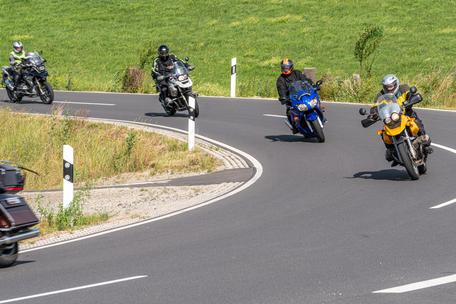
(48, 96)
(8, 255)
(407, 162)
(13, 96)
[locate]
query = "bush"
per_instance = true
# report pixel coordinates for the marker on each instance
(365, 48)
(133, 80)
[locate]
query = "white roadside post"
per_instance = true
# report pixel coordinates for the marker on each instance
(191, 123)
(233, 77)
(68, 173)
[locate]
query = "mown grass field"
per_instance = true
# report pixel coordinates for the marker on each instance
(101, 150)
(89, 43)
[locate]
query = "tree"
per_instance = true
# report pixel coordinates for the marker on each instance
(368, 42)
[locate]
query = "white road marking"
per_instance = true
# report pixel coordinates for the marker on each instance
(450, 202)
(444, 148)
(256, 164)
(73, 289)
(419, 285)
(274, 115)
(444, 204)
(86, 103)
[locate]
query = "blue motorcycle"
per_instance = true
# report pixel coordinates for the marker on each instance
(305, 112)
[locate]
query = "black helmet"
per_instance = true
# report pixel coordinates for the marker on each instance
(286, 65)
(163, 52)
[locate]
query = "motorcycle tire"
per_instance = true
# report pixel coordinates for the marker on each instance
(48, 96)
(13, 96)
(408, 163)
(8, 255)
(422, 169)
(170, 111)
(318, 130)
(197, 109)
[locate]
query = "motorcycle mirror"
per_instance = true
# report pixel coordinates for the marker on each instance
(413, 90)
(319, 82)
(362, 111)
(186, 59)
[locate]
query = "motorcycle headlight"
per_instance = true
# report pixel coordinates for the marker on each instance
(387, 120)
(302, 107)
(313, 103)
(395, 117)
(182, 78)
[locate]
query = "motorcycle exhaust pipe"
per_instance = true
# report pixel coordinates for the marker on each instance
(8, 240)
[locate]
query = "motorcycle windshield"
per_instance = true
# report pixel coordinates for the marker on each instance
(387, 104)
(180, 69)
(299, 89)
(35, 59)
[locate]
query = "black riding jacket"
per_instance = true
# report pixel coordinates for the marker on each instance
(283, 83)
(159, 65)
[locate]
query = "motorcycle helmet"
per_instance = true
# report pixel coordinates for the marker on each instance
(390, 84)
(163, 52)
(286, 65)
(18, 47)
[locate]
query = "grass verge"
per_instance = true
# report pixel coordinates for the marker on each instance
(89, 44)
(101, 150)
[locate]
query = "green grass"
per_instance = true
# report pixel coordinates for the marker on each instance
(101, 150)
(70, 218)
(92, 42)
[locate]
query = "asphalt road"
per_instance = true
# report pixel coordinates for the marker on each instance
(326, 223)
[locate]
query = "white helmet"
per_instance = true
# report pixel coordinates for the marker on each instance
(17, 46)
(390, 84)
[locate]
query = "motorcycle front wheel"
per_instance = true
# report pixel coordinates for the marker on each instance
(13, 96)
(407, 162)
(8, 255)
(316, 126)
(47, 94)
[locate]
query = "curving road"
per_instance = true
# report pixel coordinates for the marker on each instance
(325, 223)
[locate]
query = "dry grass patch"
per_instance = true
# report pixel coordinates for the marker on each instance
(101, 150)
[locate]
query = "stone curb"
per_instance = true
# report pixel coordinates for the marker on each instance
(230, 161)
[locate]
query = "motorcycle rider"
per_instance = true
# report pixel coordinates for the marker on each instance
(15, 58)
(162, 65)
(392, 85)
(287, 77)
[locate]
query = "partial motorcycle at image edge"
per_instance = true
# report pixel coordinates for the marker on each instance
(180, 89)
(16, 217)
(32, 82)
(306, 112)
(401, 132)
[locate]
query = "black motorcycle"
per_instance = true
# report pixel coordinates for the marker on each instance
(32, 82)
(16, 217)
(179, 89)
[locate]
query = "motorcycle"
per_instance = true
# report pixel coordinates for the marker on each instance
(401, 131)
(33, 81)
(305, 112)
(16, 217)
(180, 89)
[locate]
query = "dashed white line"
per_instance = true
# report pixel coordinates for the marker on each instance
(86, 103)
(45, 294)
(274, 115)
(419, 285)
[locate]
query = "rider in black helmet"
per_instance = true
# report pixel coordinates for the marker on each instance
(161, 65)
(287, 77)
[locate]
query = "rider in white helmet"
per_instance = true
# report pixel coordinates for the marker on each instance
(392, 85)
(15, 58)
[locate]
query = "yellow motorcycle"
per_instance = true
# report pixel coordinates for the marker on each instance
(400, 131)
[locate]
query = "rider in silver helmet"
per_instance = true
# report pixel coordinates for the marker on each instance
(392, 85)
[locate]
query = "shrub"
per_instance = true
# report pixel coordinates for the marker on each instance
(365, 48)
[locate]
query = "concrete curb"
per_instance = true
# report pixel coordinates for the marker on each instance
(230, 160)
